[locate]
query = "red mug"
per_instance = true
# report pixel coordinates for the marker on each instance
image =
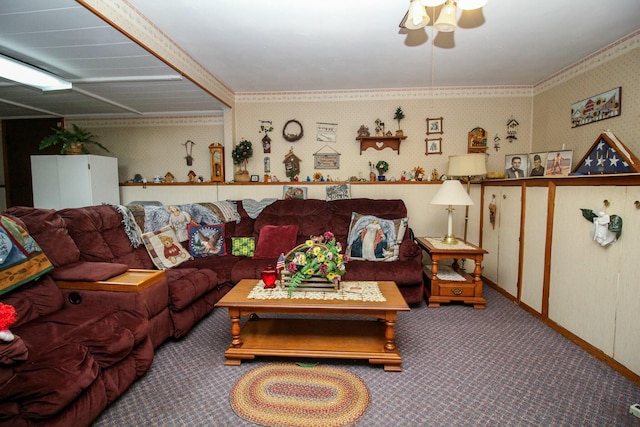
(269, 276)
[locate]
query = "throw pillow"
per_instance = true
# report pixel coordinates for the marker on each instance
(275, 240)
(338, 192)
(243, 246)
(375, 239)
(206, 240)
(21, 259)
(294, 192)
(164, 248)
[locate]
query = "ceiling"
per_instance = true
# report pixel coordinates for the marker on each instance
(291, 45)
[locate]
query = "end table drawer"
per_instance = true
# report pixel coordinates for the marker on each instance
(460, 289)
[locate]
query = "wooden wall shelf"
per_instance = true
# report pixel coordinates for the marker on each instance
(380, 142)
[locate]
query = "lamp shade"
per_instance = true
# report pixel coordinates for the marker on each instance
(417, 16)
(432, 3)
(467, 165)
(471, 4)
(446, 22)
(451, 192)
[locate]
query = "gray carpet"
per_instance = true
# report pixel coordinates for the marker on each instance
(461, 367)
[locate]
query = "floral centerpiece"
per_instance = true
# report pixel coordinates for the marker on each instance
(319, 256)
(382, 167)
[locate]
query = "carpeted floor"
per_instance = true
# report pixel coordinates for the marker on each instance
(461, 367)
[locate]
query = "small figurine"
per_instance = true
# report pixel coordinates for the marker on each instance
(192, 176)
(363, 131)
(434, 175)
(168, 177)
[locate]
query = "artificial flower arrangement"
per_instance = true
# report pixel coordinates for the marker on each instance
(382, 166)
(319, 256)
(418, 173)
(242, 153)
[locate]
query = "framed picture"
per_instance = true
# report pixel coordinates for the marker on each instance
(326, 161)
(515, 165)
(289, 192)
(434, 126)
(537, 163)
(559, 163)
(477, 141)
(599, 107)
(255, 178)
(434, 146)
(326, 132)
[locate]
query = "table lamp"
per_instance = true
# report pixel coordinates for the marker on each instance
(451, 193)
(467, 166)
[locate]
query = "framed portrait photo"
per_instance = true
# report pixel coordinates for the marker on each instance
(537, 163)
(515, 165)
(434, 126)
(559, 163)
(434, 146)
(255, 178)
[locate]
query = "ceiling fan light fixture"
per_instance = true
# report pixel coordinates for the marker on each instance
(446, 22)
(417, 17)
(432, 3)
(26, 74)
(471, 4)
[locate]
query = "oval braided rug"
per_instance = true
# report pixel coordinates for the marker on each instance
(295, 396)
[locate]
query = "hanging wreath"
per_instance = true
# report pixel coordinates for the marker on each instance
(292, 137)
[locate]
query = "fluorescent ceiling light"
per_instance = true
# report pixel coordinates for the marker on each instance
(20, 72)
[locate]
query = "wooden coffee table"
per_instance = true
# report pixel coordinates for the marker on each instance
(345, 338)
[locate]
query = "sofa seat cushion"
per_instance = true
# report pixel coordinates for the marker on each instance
(186, 285)
(48, 382)
(33, 300)
(222, 266)
(108, 333)
(88, 271)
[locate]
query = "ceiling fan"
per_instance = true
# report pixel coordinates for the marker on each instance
(416, 17)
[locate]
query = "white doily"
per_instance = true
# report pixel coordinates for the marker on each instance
(447, 273)
(439, 244)
(370, 292)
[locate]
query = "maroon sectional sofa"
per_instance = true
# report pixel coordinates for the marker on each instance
(76, 351)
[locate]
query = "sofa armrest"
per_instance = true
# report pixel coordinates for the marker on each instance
(13, 351)
(409, 250)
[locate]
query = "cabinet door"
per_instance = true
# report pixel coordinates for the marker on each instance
(627, 339)
(502, 241)
(584, 275)
(533, 247)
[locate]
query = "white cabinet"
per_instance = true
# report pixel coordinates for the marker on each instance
(534, 247)
(74, 181)
(502, 239)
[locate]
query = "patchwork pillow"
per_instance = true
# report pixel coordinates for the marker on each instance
(375, 239)
(21, 259)
(243, 246)
(164, 248)
(206, 240)
(275, 240)
(338, 192)
(289, 192)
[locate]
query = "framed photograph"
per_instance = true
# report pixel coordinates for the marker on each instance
(537, 163)
(434, 126)
(599, 107)
(515, 165)
(559, 163)
(255, 178)
(477, 141)
(434, 146)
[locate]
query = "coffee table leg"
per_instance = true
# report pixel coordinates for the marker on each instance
(234, 315)
(390, 335)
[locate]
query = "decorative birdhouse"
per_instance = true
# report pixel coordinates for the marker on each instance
(512, 129)
(291, 164)
(168, 177)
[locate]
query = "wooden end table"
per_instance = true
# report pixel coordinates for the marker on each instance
(314, 337)
(468, 291)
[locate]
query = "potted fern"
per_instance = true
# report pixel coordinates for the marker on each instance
(399, 116)
(72, 141)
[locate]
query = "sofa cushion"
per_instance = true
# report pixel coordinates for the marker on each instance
(275, 240)
(164, 248)
(243, 246)
(375, 239)
(21, 259)
(48, 228)
(206, 240)
(88, 271)
(35, 299)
